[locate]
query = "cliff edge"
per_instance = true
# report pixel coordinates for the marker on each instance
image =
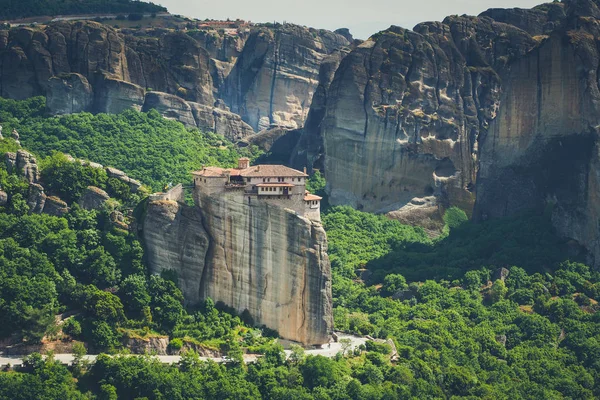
(259, 259)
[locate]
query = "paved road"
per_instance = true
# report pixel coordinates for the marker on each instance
(327, 351)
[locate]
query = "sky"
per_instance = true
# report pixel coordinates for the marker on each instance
(363, 18)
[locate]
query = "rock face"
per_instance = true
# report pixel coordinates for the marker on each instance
(496, 114)
(68, 94)
(275, 76)
(542, 149)
(267, 75)
(405, 109)
(256, 258)
(93, 198)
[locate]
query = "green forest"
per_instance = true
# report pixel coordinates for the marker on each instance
(13, 9)
(496, 310)
(150, 148)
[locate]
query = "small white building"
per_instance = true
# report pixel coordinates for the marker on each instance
(275, 184)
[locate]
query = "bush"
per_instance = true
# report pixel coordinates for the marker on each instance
(72, 327)
(176, 344)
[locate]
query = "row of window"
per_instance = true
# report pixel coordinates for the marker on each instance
(278, 179)
(270, 189)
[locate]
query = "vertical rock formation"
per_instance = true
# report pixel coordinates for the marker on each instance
(267, 75)
(256, 258)
(542, 149)
(405, 108)
(497, 114)
(275, 76)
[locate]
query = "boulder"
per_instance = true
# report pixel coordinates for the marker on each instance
(93, 198)
(36, 198)
(3, 198)
(68, 94)
(114, 173)
(27, 167)
(55, 206)
(170, 106)
(221, 121)
(113, 95)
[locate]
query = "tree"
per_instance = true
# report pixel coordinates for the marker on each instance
(346, 343)
(393, 283)
(498, 291)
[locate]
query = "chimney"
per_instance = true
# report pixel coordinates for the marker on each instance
(243, 163)
(305, 170)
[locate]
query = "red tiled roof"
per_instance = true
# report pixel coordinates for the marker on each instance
(312, 197)
(258, 171)
(211, 172)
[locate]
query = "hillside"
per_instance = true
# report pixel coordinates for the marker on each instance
(460, 168)
(12, 9)
(145, 145)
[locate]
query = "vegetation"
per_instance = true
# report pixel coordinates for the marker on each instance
(147, 146)
(493, 310)
(13, 9)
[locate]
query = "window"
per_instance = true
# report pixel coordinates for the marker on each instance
(264, 179)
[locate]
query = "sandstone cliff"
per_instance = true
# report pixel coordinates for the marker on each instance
(267, 75)
(275, 76)
(253, 257)
(496, 114)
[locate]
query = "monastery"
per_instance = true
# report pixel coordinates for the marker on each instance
(273, 184)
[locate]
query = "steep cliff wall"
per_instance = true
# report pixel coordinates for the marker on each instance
(275, 76)
(267, 75)
(497, 114)
(542, 149)
(405, 110)
(253, 257)
(173, 62)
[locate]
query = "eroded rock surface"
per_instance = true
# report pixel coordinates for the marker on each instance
(253, 257)
(93, 198)
(275, 76)
(496, 114)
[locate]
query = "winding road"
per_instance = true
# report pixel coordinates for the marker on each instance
(329, 350)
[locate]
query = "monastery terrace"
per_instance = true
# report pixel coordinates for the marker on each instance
(274, 184)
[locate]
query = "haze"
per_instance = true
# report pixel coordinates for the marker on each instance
(363, 18)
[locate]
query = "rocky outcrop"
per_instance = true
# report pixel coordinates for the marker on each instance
(68, 94)
(153, 345)
(134, 185)
(259, 259)
(93, 198)
(275, 76)
(26, 165)
(170, 106)
(3, 198)
(55, 206)
(113, 95)
(220, 121)
(36, 198)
